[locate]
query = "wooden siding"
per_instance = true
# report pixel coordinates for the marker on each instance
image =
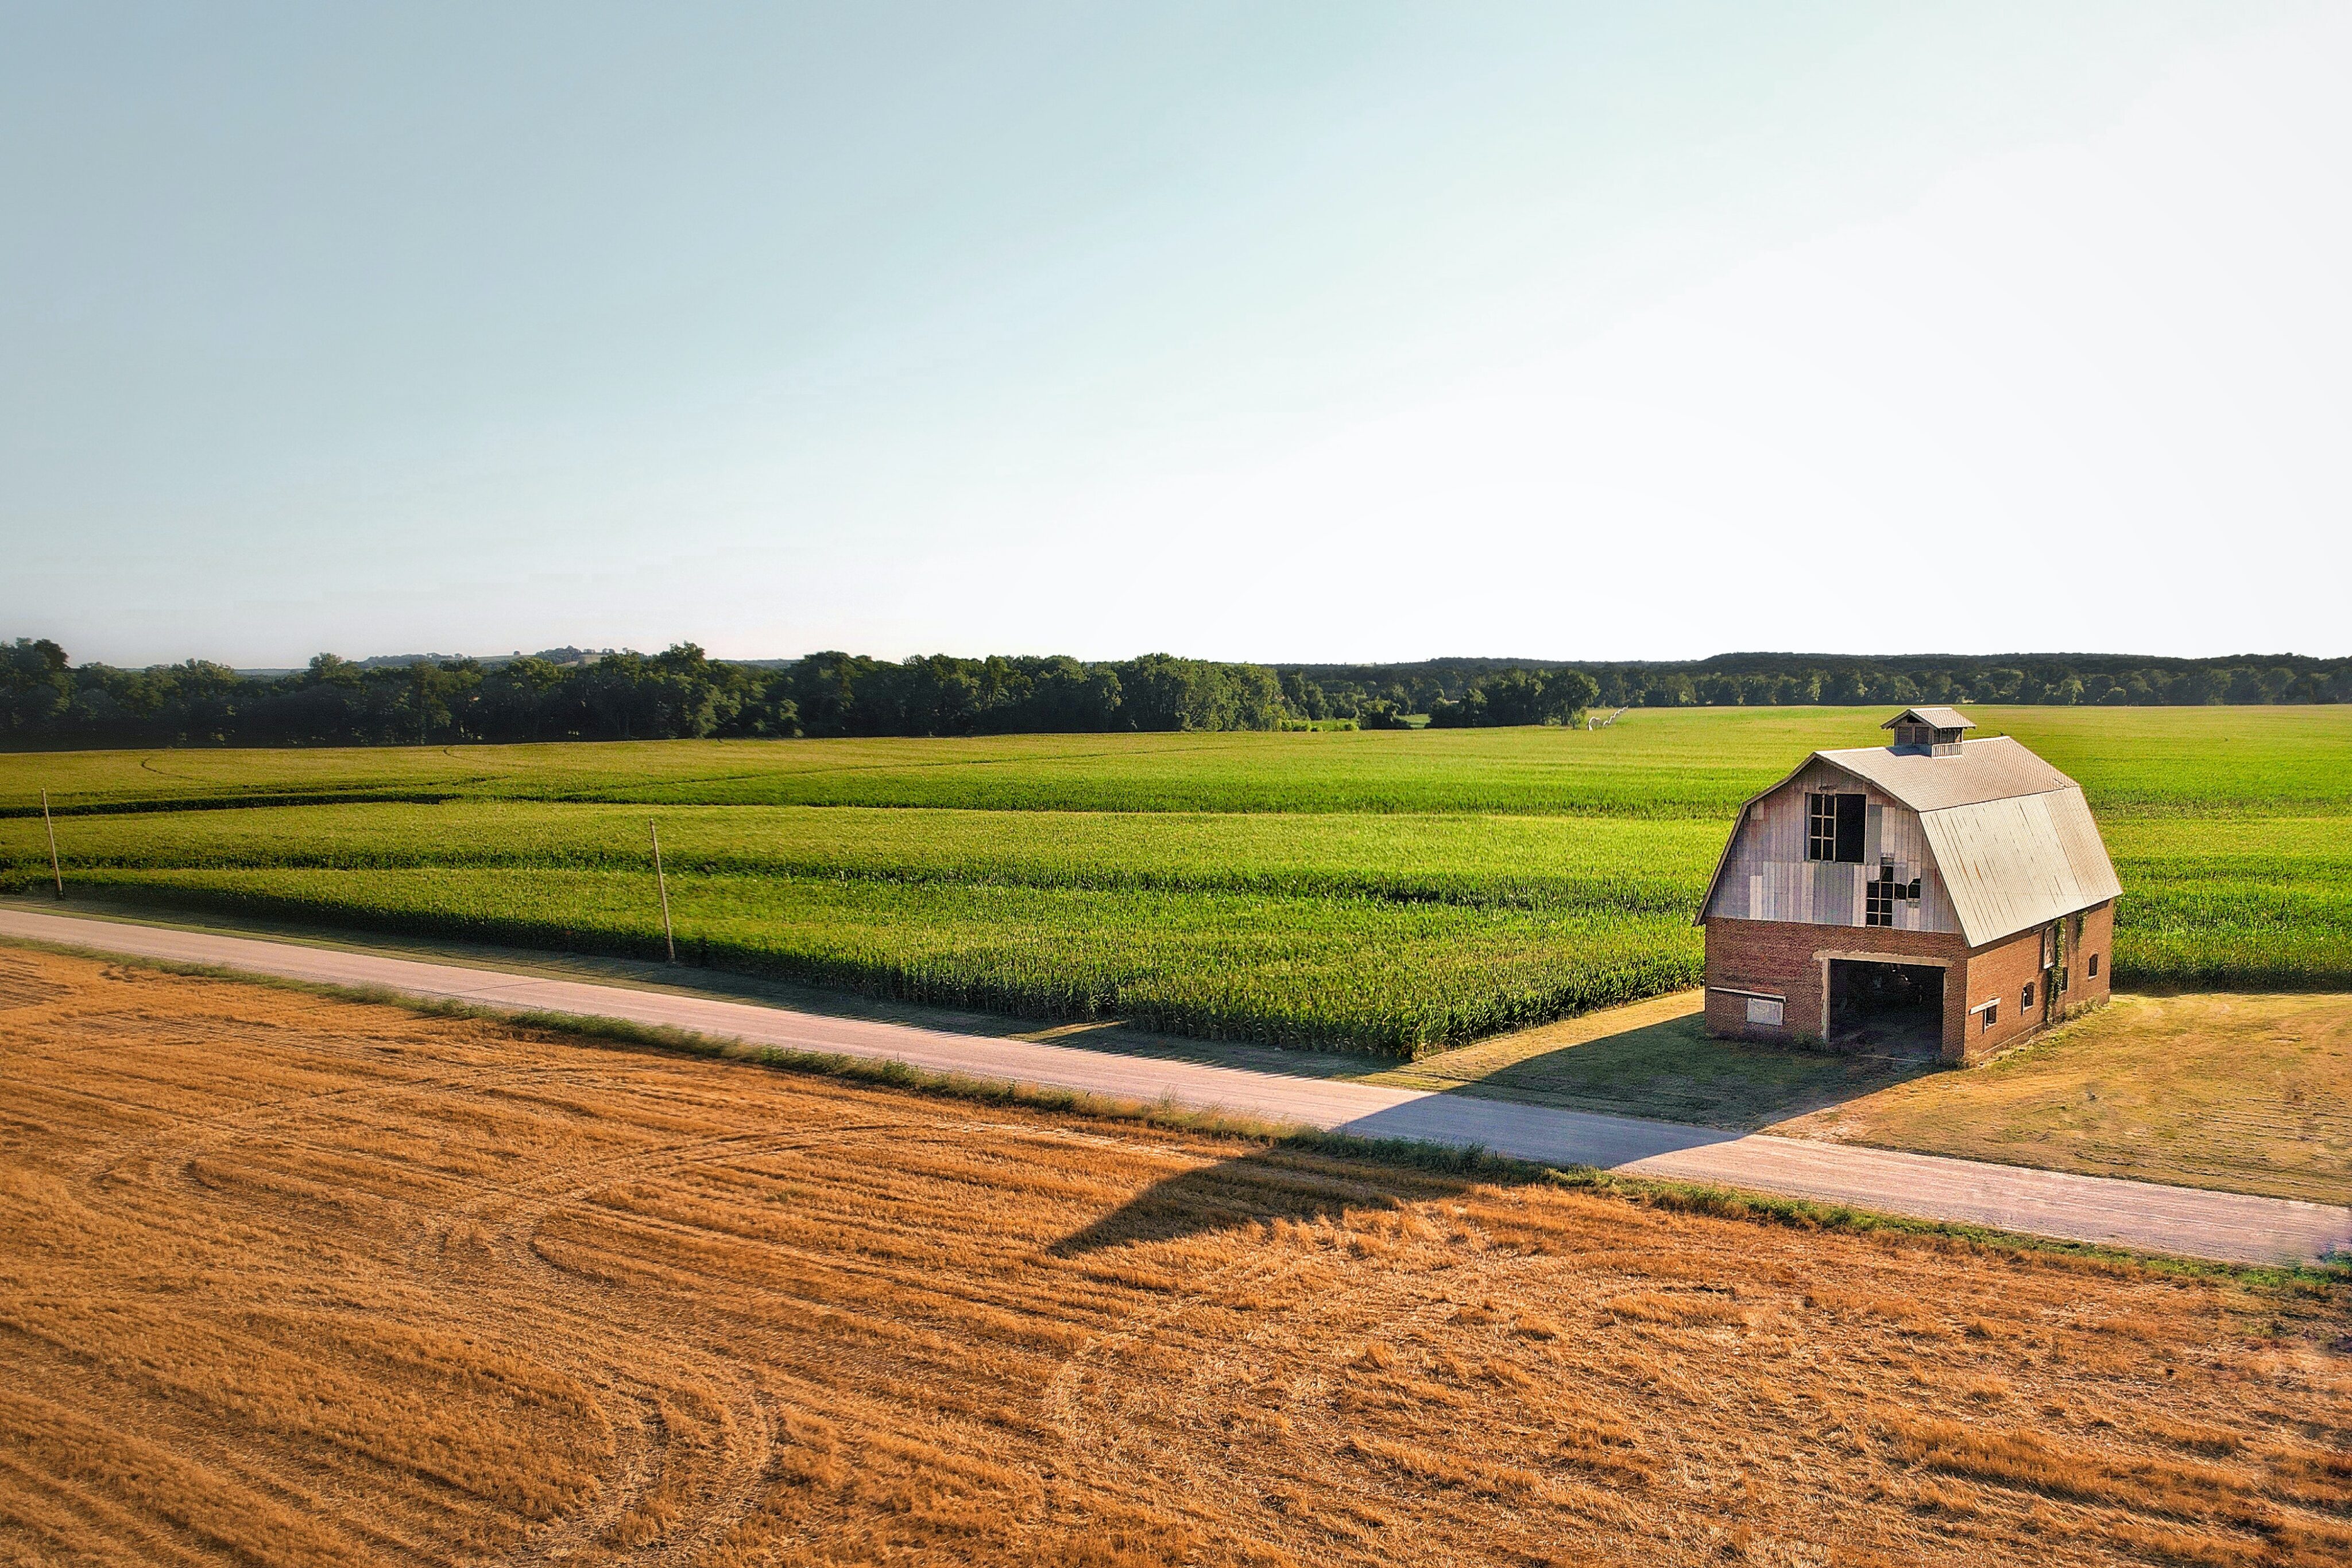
(1766, 875)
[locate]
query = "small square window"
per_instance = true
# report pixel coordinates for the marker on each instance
(2092, 969)
(2025, 998)
(1991, 1014)
(1764, 1010)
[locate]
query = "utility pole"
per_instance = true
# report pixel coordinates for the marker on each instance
(52, 827)
(660, 882)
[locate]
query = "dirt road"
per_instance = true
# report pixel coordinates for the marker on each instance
(2221, 1227)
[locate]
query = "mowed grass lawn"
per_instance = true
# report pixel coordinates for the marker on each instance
(2246, 1093)
(1386, 892)
(2241, 1091)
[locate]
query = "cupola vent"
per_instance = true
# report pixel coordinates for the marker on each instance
(1928, 731)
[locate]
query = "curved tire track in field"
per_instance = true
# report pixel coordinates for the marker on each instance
(698, 1428)
(651, 1454)
(712, 1469)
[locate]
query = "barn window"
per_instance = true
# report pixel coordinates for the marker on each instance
(2091, 969)
(1878, 901)
(1833, 828)
(1991, 1013)
(2025, 998)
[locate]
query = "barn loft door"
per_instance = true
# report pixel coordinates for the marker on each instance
(1850, 816)
(1836, 828)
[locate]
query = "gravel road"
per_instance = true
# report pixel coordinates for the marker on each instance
(2182, 1221)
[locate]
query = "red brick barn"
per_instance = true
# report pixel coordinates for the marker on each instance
(1937, 891)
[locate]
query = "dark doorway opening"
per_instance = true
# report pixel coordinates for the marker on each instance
(1897, 1008)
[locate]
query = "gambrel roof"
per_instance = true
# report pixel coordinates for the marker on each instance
(1989, 769)
(2011, 836)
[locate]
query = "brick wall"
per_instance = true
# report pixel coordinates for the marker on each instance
(1998, 974)
(1768, 956)
(2000, 971)
(2098, 940)
(1783, 958)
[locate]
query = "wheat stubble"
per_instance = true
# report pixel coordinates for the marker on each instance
(288, 1280)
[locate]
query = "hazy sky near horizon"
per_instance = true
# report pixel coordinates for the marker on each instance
(1284, 332)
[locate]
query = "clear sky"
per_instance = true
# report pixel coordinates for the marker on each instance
(1286, 331)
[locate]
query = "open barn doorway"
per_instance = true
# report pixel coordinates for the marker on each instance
(1894, 1010)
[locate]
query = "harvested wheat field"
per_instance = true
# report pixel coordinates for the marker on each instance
(288, 1280)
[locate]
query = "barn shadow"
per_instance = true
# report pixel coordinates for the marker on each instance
(1579, 1095)
(1291, 1181)
(1668, 1069)
(1430, 1147)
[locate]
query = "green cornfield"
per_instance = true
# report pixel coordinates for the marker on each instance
(1394, 891)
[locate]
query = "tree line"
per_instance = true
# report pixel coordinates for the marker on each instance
(46, 700)
(1442, 688)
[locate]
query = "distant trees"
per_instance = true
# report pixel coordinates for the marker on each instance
(1518, 696)
(844, 694)
(46, 700)
(36, 688)
(1464, 691)
(680, 692)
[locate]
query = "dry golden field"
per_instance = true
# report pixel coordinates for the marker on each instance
(287, 1280)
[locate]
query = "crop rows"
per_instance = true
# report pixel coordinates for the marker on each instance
(1361, 974)
(1696, 764)
(1389, 928)
(1590, 864)
(2252, 903)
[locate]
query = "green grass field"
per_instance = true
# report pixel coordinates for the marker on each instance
(1653, 763)
(1383, 891)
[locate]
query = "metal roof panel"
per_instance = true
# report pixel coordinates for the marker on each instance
(2079, 841)
(1994, 769)
(2004, 866)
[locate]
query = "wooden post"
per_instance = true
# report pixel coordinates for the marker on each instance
(52, 827)
(660, 882)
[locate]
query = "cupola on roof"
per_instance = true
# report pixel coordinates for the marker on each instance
(1933, 717)
(1931, 731)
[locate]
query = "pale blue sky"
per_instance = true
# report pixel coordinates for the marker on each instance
(1260, 331)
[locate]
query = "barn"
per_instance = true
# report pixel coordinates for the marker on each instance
(1938, 892)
